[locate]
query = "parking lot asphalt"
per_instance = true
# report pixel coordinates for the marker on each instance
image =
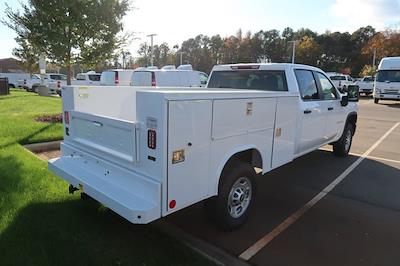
(355, 223)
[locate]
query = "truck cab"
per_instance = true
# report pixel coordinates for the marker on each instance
(148, 152)
(387, 82)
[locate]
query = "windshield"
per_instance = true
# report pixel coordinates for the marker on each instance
(388, 75)
(338, 78)
(58, 77)
(268, 80)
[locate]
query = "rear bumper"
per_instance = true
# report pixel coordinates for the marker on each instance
(133, 196)
(382, 96)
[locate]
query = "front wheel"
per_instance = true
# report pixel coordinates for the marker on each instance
(236, 193)
(342, 146)
(376, 100)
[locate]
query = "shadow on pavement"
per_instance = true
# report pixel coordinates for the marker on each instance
(283, 191)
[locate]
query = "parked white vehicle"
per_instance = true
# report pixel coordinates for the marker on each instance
(13, 78)
(168, 77)
(27, 83)
(31, 84)
(90, 78)
(387, 82)
(116, 77)
(341, 81)
(147, 153)
(366, 85)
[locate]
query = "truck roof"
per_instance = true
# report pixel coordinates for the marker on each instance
(388, 63)
(263, 66)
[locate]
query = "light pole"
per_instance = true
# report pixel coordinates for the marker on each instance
(374, 59)
(293, 50)
(182, 57)
(151, 48)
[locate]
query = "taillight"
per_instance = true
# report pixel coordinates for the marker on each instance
(151, 139)
(58, 84)
(116, 78)
(239, 67)
(153, 79)
(66, 117)
(24, 81)
(340, 83)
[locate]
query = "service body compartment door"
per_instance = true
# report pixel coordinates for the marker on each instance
(189, 137)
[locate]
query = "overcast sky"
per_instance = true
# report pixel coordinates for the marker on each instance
(178, 20)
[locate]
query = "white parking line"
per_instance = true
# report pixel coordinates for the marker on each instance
(368, 157)
(251, 251)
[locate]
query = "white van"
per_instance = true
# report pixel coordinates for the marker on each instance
(116, 77)
(387, 81)
(167, 77)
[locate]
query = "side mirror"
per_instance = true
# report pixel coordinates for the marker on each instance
(345, 100)
(353, 93)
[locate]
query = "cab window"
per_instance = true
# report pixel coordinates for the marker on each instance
(328, 91)
(307, 85)
(203, 78)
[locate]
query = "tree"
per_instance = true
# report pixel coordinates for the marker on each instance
(72, 31)
(27, 55)
(308, 51)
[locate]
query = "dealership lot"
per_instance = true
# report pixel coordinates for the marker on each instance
(354, 222)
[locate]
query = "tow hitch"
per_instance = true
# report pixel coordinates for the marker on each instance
(72, 189)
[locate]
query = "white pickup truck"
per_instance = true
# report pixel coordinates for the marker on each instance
(146, 153)
(341, 81)
(34, 82)
(90, 78)
(366, 85)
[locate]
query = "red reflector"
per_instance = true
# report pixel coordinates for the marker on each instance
(245, 67)
(66, 117)
(153, 79)
(116, 77)
(172, 204)
(151, 139)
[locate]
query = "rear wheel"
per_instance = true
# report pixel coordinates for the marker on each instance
(376, 100)
(230, 209)
(342, 146)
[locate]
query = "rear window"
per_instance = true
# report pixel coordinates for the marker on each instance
(267, 80)
(58, 77)
(80, 77)
(337, 77)
(94, 77)
(388, 75)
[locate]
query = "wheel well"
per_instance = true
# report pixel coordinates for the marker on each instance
(251, 156)
(352, 118)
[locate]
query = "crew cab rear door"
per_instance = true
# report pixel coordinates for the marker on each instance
(312, 121)
(331, 108)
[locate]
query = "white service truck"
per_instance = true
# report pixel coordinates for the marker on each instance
(146, 153)
(387, 82)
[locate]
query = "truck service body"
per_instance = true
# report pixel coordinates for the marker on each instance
(146, 153)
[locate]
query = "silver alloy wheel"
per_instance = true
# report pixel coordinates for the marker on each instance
(239, 197)
(347, 140)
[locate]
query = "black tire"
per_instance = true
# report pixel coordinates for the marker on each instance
(376, 100)
(342, 147)
(235, 178)
(85, 196)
